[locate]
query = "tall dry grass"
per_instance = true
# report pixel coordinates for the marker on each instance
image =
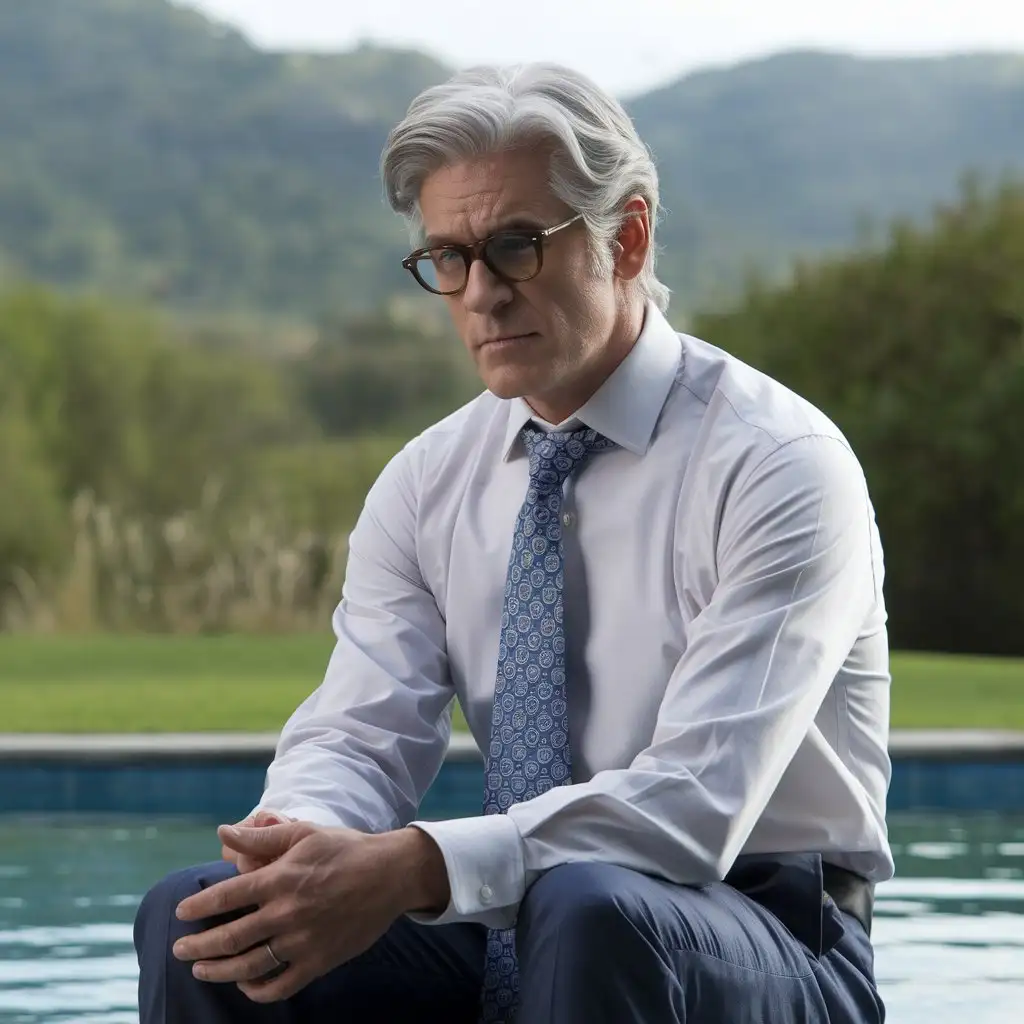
(211, 568)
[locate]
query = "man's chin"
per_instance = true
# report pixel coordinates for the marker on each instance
(508, 385)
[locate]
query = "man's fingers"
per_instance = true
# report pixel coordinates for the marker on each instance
(253, 965)
(265, 843)
(261, 819)
(226, 852)
(284, 985)
(231, 895)
(236, 937)
(231, 856)
(269, 818)
(245, 863)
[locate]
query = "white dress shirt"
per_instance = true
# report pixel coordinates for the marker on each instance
(727, 659)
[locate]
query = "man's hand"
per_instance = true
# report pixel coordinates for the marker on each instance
(260, 819)
(323, 896)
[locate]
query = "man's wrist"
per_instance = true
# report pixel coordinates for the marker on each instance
(420, 871)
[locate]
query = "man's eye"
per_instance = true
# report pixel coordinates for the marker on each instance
(512, 244)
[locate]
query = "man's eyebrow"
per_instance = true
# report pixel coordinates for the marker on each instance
(518, 223)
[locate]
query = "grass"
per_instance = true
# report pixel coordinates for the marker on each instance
(155, 684)
(152, 683)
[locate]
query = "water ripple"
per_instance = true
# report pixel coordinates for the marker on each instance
(948, 949)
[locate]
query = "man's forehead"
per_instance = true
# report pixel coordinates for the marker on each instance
(478, 196)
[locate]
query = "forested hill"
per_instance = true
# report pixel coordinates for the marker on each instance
(145, 150)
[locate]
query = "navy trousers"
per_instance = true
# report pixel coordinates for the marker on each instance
(597, 944)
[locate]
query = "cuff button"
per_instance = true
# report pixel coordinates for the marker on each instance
(486, 894)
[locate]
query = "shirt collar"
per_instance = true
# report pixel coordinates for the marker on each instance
(625, 409)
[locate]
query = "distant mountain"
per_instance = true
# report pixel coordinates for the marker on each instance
(803, 151)
(148, 151)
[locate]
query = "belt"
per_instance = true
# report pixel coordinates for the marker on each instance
(850, 892)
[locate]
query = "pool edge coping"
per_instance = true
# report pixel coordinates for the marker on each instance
(233, 746)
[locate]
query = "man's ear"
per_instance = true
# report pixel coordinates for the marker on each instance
(633, 242)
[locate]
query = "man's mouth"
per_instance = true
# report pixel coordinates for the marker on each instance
(507, 339)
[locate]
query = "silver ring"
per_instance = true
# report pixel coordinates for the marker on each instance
(278, 964)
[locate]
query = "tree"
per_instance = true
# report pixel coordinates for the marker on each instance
(917, 351)
(380, 374)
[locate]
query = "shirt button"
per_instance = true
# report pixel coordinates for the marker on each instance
(568, 519)
(486, 894)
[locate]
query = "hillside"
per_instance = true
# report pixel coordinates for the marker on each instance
(806, 151)
(150, 152)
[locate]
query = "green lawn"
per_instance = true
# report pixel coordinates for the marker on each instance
(185, 684)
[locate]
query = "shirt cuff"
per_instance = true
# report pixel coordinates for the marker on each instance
(486, 869)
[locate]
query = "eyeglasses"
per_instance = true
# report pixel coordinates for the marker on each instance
(512, 256)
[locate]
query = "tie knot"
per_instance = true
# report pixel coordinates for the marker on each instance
(556, 454)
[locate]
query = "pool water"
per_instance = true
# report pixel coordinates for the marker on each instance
(949, 931)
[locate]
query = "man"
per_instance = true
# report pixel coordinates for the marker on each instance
(652, 578)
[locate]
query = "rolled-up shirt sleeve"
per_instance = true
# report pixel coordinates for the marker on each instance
(795, 585)
(365, 746)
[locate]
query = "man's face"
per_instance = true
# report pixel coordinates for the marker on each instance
(542, 339)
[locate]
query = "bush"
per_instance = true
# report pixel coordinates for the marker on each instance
(917, 352)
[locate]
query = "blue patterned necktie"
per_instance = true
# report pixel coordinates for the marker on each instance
(529, 751)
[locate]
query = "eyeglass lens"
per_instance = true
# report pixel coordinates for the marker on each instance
(511, 255)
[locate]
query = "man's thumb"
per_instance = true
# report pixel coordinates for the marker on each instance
(264, 842)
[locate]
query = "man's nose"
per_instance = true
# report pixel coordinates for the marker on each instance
(485, 292)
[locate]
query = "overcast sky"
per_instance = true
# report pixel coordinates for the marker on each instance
(628, 45)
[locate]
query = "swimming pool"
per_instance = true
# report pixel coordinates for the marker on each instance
(949, 932)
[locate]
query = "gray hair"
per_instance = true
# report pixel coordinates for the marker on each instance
(598, 161)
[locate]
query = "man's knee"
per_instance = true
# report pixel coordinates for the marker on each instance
(588, 950)
(582, 903)
(155, 920)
